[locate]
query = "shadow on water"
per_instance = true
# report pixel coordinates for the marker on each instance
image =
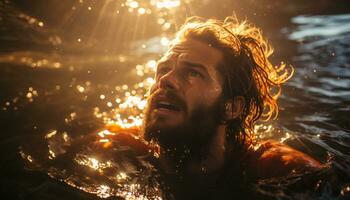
(70, 68)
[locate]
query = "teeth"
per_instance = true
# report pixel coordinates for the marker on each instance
(165, 103)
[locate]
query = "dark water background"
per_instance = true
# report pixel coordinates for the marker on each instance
(63, 65)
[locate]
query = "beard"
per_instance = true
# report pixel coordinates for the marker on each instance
(194, 133)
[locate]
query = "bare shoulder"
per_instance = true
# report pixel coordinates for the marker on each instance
(273, 159)
(130, 137)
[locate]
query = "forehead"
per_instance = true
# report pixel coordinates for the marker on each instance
(194, 51)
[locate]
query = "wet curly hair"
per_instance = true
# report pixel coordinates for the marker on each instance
(246, 69)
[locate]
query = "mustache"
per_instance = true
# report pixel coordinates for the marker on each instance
(169, 94)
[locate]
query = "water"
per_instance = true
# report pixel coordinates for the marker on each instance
(66, 75)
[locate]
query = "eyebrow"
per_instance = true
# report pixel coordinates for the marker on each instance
(195, 65)
(188, 63)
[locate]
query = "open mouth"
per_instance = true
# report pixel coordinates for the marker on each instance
(167, 106)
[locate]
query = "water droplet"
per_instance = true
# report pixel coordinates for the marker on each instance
(109, 104)
(80, 88)
(29, 95)
(164, 41)
(141, 11)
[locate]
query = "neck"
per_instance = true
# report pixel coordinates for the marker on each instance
(195, 160)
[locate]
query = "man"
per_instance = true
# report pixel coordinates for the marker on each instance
(211, 87)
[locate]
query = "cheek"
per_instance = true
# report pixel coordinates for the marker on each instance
(211, 94)
(204, 96)
(212, 90)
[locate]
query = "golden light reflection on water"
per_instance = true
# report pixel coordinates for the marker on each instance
(345, 190)
(263, 132)
(122, 176)
(286, 137)
(57, 143)
(103, 191)
(125, 106)
(122, 186)
(26, 156)
(159, 4)
(52, 154)
(92, 162)
(51, 134)
(128, 106)
(122, 107)
(31, 20)
(126, 191)
(31, 94)
(167, 3)
(104, 133)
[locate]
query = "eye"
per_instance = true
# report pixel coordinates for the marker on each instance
(195, 73)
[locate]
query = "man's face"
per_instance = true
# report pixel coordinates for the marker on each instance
(184, 102)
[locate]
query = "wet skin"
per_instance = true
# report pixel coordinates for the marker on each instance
(270, 159)
(188, 71)
(187, 79)
(273, 159)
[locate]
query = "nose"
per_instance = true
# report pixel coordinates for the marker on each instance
(169, 81)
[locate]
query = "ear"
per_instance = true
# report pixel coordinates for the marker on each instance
(234, 108)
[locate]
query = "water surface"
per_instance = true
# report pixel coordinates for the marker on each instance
(63, 81)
